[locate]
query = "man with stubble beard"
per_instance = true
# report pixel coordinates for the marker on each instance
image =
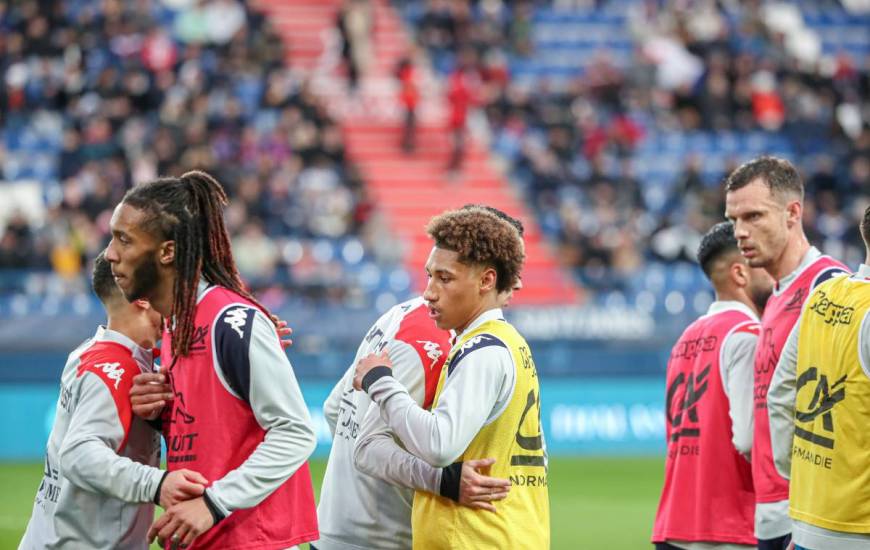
(764, 201)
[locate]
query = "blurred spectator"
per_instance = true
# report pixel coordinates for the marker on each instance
(255, 254)
(409, 96)
(622, 161)
(119, 93)
(461, 86)
(355, 25)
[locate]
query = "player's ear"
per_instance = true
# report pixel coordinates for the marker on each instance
(739, 274)
(488, 279)
(794, 212)
(166, 253)
(143, 304)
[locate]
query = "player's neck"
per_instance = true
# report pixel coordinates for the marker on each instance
(488, 303)
(163, 296)
(791, 256)
(122, 324)
(735, 295)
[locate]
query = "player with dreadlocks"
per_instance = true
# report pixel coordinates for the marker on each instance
(235, 412)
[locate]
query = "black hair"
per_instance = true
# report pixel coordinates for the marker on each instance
(189, 211)
(718, 240)
(102, 280)
(518, 225)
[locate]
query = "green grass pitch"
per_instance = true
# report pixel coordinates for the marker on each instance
(594, 502)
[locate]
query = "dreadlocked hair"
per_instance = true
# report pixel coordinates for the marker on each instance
(189, 211)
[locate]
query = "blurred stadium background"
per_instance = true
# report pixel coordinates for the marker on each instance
(605, 125)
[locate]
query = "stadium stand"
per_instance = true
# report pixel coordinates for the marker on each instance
(614, 119)
(120, 92)
(620, 119)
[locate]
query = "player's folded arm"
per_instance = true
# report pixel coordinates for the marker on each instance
(378, 453)
(467, 402)
(96, 433)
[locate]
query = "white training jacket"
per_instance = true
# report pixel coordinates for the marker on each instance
(471, 398)
(362, 511)
(101, 472)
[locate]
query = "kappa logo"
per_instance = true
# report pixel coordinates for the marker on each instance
(197, 343)
(180, 408)
(766, 359)
(473, 342)
(375, 336)
(236, 319)
(796, 303)
(113, 371)
(831, 312)
(477, 342)
(433, 351)
(769, 357)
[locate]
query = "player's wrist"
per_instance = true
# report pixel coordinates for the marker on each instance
(450, 478)
(374, 375)
(216, 513)
(160, 488)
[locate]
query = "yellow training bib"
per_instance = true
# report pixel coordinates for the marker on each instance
(515, 439)
(830, 463)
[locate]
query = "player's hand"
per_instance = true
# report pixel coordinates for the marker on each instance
(284, 331)
(366, 364)
(149, 394)
(479, 491)
(181, 485)
(182, 523)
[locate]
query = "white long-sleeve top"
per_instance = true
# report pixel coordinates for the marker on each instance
(737, 370)
(780, 408)
(101, 462)
(255, 368)
(471, 398)
(360, 509)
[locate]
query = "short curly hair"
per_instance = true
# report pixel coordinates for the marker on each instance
(480, 237)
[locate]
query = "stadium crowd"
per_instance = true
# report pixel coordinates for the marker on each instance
(708, 76)
(622, 160)
(116, 92)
